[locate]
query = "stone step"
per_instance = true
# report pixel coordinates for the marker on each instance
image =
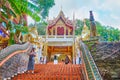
(52, 71)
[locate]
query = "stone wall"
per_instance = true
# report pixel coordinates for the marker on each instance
(107, 57)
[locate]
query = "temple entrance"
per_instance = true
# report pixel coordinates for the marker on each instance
(60, 57)
(60, 38)
(59, 52)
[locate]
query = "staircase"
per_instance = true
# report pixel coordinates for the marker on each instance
(52, 71)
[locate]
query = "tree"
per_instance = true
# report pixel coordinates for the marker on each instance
(11, 9)
(107, 33)
(44, 6)
(79, 27)
(41, 27)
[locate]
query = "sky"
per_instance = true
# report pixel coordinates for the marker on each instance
(107, 12)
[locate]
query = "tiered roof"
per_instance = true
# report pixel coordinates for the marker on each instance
(61, 16)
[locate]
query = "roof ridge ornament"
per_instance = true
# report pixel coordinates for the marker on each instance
(61, 7)
(91, 16)
(73, 16)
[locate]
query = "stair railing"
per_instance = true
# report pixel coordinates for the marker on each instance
(14, 60)
(6, 52)
(92, 70)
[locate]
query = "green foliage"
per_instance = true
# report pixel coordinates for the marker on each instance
(44, 6)
(41, 28)
(14, 8)
(19, 7)
(107, 33)
(11, 40)
(79, 26)
(21, 28)
(87, 21)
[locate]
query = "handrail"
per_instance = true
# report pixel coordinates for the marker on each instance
(84, 69)
(91, 67)
(90, 73)
(10, 51)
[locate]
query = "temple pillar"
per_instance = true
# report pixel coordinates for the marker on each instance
(68, 31)
(56, 31)
(45, 53)
(46, 49)
(64, 32)
(73, 53)
(49, 55)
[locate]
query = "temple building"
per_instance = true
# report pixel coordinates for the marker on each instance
(59, 37)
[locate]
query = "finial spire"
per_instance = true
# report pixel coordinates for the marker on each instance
(93, 31)
(73, 16)
(61, 7)
(91, 16)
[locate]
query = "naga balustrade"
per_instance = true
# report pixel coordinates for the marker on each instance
(14, 60)
(3, 45)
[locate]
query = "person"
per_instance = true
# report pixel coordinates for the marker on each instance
(55, 60)
(31, 60)
(67, 60)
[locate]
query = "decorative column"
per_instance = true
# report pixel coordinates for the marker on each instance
(73, 55)
(55, 31)
(46, 53)
(39, 52)
(68, 31)
(64, 31)
(47, 32)
(52, 31)
(73, 38)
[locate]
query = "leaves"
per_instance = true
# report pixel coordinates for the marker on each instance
(15, 5)
(33, 15)
(21, 28)
(107, 33)
(79, 26)
(14, 13)
(33, 7)
(44, 6)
